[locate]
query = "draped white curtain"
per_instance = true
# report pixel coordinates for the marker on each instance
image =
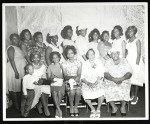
(103, 17)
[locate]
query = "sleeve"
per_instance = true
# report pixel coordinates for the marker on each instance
(24, 85)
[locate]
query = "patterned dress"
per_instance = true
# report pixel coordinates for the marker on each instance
(113, 91)
(91, 74)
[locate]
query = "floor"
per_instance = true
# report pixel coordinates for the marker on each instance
(137, 110)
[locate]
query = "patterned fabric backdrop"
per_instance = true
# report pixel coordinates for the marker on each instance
(103, 17)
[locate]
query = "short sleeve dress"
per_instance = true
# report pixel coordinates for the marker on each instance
(91, 74)
(113, 91)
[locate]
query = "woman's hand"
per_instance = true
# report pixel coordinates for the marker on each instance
(117, 80)
(40, 81)
(36, 83)
(16, 75)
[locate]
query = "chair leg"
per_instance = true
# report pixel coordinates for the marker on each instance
(87, 108)
(107, 106)
(128, 103)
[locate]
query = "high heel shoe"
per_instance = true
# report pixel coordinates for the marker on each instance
(134, 103)
(72, 114)
(76, 114)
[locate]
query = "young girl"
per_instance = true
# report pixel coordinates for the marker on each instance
(54, 73)
(26, 43)
(104, 46)
(94, 36)
(29, 82)
(118, 40)
(81, 42)
(134, 58)
(72, 71)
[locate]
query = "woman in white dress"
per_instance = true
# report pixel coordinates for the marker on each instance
(118, 40)
(134, 58)
(104, 46)
(14, 70)
(94, 38)
(81, 42)
(92, 82)
(41, 90)
(52, 46)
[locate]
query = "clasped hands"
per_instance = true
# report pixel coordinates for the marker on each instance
(117, 80)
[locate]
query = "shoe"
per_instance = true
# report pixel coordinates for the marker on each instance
(72, 114)
(131, 98)
(48, 116)
(72, 111)
(98, 114)
(114, 114)
(123, 114)
(76, 114)
(134, 103)
(92, 115)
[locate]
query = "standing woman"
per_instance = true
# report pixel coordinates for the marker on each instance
(118, 40)
(81, 42)
(40, 46)
(72, 71)
(15, 69)
(26, 43)
(52, 46)
(134, 57)
(94, 36)
(55, 75)
(104, 46)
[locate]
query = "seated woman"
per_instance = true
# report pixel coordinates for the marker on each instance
(42, 91)
(92, 82)
(117, 81)
(72, 73)
(55, 75)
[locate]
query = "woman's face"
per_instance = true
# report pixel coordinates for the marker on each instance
(56, 58)
(91, 55)
(70, 54)
(36, 58)
(39, 38)
(15, 41)
(30, 70)
(27, 36)
(69, 33)
(106, 37)
(115, 55)
(54, 39)
(131, 33)
(83, 32)
(116, 32)
(95, 36)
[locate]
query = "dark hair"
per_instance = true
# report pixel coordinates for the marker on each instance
(64, 31)
(129, 28)
(102, 35)
(92, 33)
(88, 52)
(33, 54)
(54, 53)
(119, 29)
(27, 67)
(77, 30)
(36, 34)
(69, 48)
(12, 35)
(50, 38)
(22, 34)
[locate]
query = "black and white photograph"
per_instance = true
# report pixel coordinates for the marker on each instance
(75, 61)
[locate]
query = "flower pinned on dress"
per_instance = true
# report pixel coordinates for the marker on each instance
(94, 66)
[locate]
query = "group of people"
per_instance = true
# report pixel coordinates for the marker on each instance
(103, 67)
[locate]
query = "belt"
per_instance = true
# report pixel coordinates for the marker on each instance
(30, 89)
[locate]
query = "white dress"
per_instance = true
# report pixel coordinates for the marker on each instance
(93, 45)
(137, 75)
(91, 75)
(117, 44)
(39, 89)
(82, 47)
(67, 42)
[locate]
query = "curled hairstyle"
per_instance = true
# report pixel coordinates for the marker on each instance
(119, 29)
(128, 29)
(12, 35)
(54, 53)
(102, 35)
(33, 54)
(92, 33)
(64, 31)
(88, 52)
(49, 38)
(70, 48)
(36, 34)
(22, 34)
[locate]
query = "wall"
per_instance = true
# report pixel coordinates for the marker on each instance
(10, 22)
